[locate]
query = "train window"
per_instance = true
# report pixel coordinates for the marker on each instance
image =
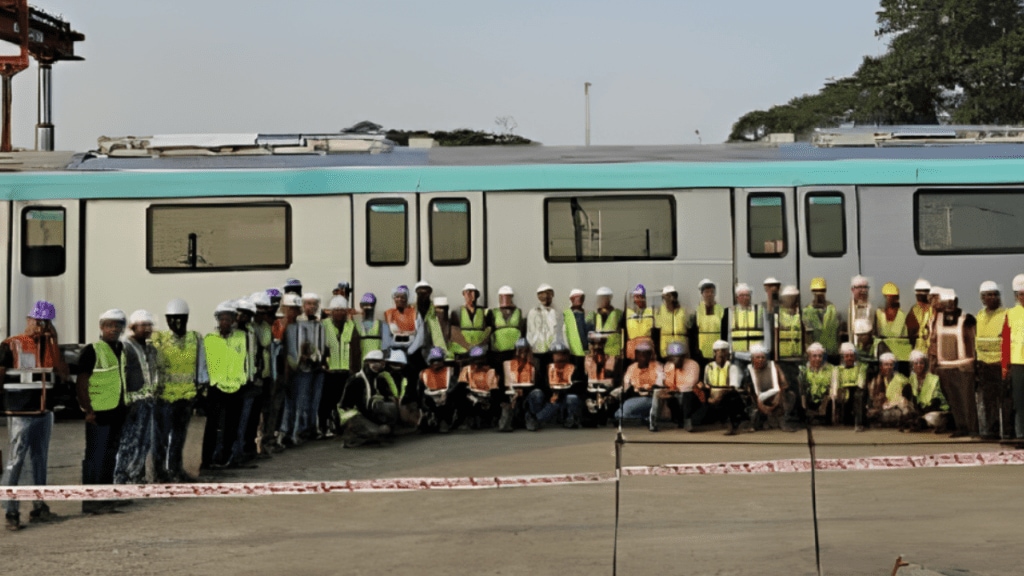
(826, 225)
(968, 221)
(42, 241)
(386, 241)
(600, 228)
(449, 231)
(212, 237)
(766, 225)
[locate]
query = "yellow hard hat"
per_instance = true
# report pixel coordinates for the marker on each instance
(818, 283)
(890, 289)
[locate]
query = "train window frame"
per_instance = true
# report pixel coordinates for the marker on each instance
(785, 227)
(469, 231)
(288, 237)
(625, 197)
(26, 255)
(369, 230)
(959, 191)
(807, 222)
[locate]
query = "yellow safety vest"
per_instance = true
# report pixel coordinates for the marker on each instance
(894, 334)
(791, 334)
(819, 382)
(1015, 317)
(746, 328)
(106, 384)
(339, 344)
(572, 333)
(506, 332)
(177, 364)
(397, 389)
(265, 338)
(672, 325)
(610, 328)
(226, 360)
(369, 340)
(709, 329)
(473, 327)
(988, 343)
(717, 376)
(853, 377)
(924, 318)
(928, 390)
(894, 389)
(824, 327)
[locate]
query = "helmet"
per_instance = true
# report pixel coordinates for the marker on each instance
(1018, 283)
(758, 348)
(273, 292)
(858, 281)
(441, 302)
(818, 284)
(847, 348)
(576, 292)
(705, 283)
(720, 345)
(790, 290)
(890, 289)
(140, 317)
(177, 307)
(640, 290)
(260, 299)
(476, 352)
(397, 357)
(742, 288)
(559, 348)
(246, 305)
(644, 346)
(922, 285)
(604, 291)
(373, 355)
(989, 286)
(916, 355)
(114, 314)
(311, 296)
(505, 291)
(43, 310)
(436, 354)
(338, 303)
(291, 300)
(224, 307)
(422, 284)
(368, 298)
(771, 280)
(675, 349)
(400, 289)
(887, 357)
(470, 287)
(544, 288)
(816, 347)
(668, 290)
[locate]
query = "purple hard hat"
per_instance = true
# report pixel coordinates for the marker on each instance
(640, 290)
(477, 352)
(274, 293)
(436, 353)
(368, 298)
(403, 289)
(43, 310)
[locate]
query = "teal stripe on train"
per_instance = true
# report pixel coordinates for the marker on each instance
(620, 176)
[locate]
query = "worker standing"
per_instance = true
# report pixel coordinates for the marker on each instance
(282, 411)
(244, 448)
(342, 349)
(305, 345)
(891, 333)
(469, 324)
(181, 370)
(860, 309)
(265, 375)
(711, 321)
(993, 409)
(792, 337)
(226, 363)
(954, 335)
(373, 334)
(29, 431)
(428, 330)
(543, 327)
(822, 320)
(640, 323)
(747, 326)
(100, 387)
(606, 320)
(919, 319)
(507, 326)
(670, 321)
(1013, 353)
(141, 389)
(574, 329)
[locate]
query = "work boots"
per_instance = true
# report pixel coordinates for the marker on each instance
(505, 422)
(14, 522)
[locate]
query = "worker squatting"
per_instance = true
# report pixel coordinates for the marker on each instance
(277, 371)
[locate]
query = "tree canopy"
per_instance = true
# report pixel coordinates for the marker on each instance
(960, 61)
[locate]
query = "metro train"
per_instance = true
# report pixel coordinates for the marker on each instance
(141, 221)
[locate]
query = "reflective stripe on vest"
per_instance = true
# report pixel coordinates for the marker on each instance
(176, 361)
(226, 360)
(265, 338)
(746, 328)
(610, 328)
(709, 329)
(672, 325)
(989, 341)
(339, 344)
(106, 384)
(894, 334)
(791, 333)
(819, 382)
(1015, 318)
(369, 340)
(715, 376)
(397, 390)
(894, 389)
(852, 377)
(506, 332)
(924, 318)
(928, 391)
(473, 327)
(434, 327)
(572, 333)
(824, 325)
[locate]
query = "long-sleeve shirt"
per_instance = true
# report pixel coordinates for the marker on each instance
(543, 326)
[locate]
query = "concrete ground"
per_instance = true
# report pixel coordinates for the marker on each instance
(957, 521)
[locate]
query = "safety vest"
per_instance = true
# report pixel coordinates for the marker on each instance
(924, 318)
(824, 326)
(853, 377)
(506, 332)
(397, 388)
(819, 382)
(988, 343)
(106, 384)
(746, 328)
(346, 414)
(639, 327)
(252, 350)
(177, 362)
(928, 390)
(265, 338)
(28, 345)
(339, 344)
(435, 381)
(572, 333)
(226, 360)
(709, 329)
(473, 327)
(894, 389)
(609, 327)
(791, 334)
(672, 324)
(369, 339)
(1015, 318)
(434, 328)
(894, 334)
(717, 376)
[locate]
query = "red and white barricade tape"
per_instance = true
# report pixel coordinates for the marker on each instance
(146, 491)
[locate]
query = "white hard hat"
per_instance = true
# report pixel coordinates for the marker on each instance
(260, 299)
(604, 291)
(847, 348)
(422, 284)
(948, 295)
(704, 284)
(1018, 283)
(245, 304)
(177, 307)
(471, 287)
(544, 288)
(397, 357)
(668, 290)
(989, 286)
(576, 292)
(741, 288)
(922, 284)
(720, 345)
(505, 291)
(311, 296)
(935, 291)
(339, 303)
(858, 280)
(758, 348)
(771, 280)
(440, 301)
(816, 347)
(113, 314)
(374, 355)
(291, 299)
(225, 306)
(887, 357)
(916, 355)
(790, 290)
(140, 317)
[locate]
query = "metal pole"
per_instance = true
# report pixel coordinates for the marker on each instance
(586, 96)
(5, 131)
(44, 118)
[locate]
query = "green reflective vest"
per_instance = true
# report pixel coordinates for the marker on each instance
(177, 364)
(924, 318)
(791, 334)
(609, 326)
(824, 326)
(928, 390)
(339, 344)
(818, 383)
(397, 388)
(894, 389)
(265, 338)
(709, 329)
(473, 327)
(434, 327)
(572, 333)
(894, 334)
(717, 376)
(226, 360)
(369, 339)
(853, 377)
(988, 343)
(746, 328)
(672, 324)
(106, 384)
(506, 332)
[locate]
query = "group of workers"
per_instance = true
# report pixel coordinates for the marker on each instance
(280, 369)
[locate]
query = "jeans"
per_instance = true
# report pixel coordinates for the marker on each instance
(243, 442)
(222, 414)
(101, 443)
(30, 436)
(299, 411)
(639, 408)
(136, 441)
(567, 407)
(170, 426)
(313, 404)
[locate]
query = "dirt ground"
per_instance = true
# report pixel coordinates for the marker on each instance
(958, 521)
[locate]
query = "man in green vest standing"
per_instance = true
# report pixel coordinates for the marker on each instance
(822, 320)
(710, 322)
(471, 321)
(993, 409)
(100, 387)
(181, 369)
(373, 334)
(606, 320)
(1013, 353)
(342, 348)
(140, 382)
(508, 325)
(226, 363)
(574, 329)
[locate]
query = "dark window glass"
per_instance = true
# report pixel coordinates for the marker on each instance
(449, 231)
(597, 228)
(826, 224)
(42, 242)
(766, 225)
(386, 241)
(969, 221)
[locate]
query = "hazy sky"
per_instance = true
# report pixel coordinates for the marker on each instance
(660, 69)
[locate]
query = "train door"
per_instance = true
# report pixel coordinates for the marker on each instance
(765, 237)
(452, 249)
(829, 245)
(385, 240)
(5, 239)
(44, 263)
